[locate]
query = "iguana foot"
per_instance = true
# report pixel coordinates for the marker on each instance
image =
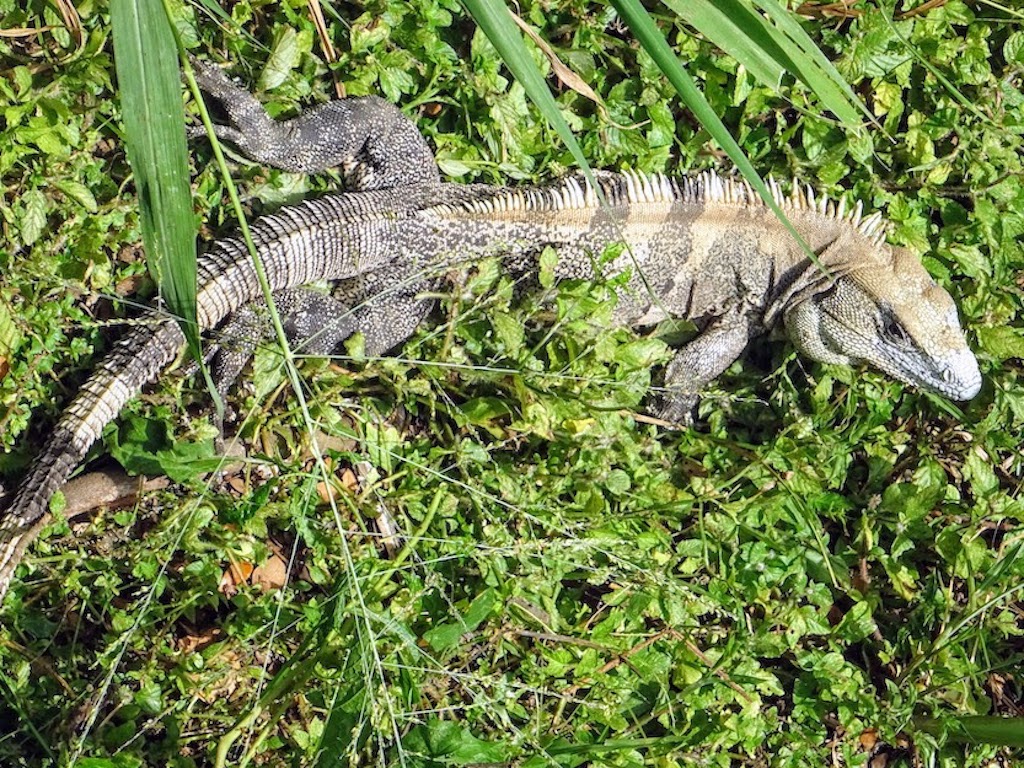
(676, 408)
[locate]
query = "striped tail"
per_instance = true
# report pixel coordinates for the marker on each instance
(135, 361)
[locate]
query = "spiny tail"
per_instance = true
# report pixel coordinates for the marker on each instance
(135, 361)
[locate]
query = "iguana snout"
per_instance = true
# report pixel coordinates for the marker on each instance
(893, 316)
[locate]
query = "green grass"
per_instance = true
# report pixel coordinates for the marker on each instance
(829, 566)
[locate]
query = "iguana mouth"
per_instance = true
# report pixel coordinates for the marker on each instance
(958, 378)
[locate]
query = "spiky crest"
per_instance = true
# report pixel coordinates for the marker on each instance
(632, 187)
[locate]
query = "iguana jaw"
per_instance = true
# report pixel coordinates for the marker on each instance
(956, 376)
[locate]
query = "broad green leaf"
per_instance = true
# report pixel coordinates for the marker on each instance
(453, 744)
(154, 128)
(33, 216)
(78, 192)
(446, 636)
(284, 55)
(1002, 342)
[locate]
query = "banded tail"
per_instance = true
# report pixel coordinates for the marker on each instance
(135, 361)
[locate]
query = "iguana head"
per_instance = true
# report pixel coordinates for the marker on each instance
(891, 314)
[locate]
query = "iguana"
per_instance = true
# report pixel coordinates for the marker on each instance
(703, 248)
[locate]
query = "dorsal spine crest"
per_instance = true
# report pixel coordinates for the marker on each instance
(637, 188)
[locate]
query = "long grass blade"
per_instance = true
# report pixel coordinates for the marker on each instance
(976, 729)
(814, 68)
(652, 40)
(768, 49)
(154, 127)
(741, 33)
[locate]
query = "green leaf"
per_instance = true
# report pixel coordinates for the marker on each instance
(446, 636)
(78, 192)
(1013, 48)
(481, 411)
(284, 57)
(857, 624)
(976, 729)
(813, 68)
(119, 761)
(509, 331)
(452, 744)
(1002, 342)
(768, 48)
(145, 446)
(33, 216)
(154, 129)
(10, 336)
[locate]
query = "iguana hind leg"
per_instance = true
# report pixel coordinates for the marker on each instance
(388, 306)
(376, 145)
(314, 322)
(317, 324)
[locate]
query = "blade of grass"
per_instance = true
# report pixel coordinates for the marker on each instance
(767, 50)
(281, 683)
(146, 58)
(739, 32)
(979, 729)
(818, 73)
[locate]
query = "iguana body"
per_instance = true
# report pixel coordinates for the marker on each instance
(704, 249)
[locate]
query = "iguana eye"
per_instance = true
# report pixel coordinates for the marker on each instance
(894, 331)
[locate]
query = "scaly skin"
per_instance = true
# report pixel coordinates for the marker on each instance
(704, 249)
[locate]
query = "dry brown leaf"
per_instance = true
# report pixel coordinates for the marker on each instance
(236, 573)
(198, 640)
(272, 574)
(348, 479)
(325, 490)
(113, 488)
(569, 78)
(868, 738)
(841, 10)
(130, 285)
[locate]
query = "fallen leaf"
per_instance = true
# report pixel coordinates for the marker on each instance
(272, 574)
(198, 640)
(868, 738)
(235, 574)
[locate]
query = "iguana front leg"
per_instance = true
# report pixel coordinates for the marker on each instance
(376, 145)
(698, 363)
